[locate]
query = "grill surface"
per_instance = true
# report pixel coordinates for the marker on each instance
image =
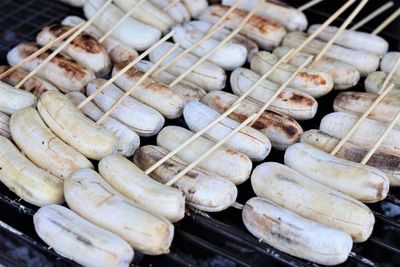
(199, 241)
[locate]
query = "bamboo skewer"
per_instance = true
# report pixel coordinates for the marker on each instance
(338, 32)
(139, 82)
(372, 16)
(386, 22)
(322, 27)
(125, 69)
(211, 150)
(382, 93)
(127, 14)
(309, 4)
(217, 26)
(41, 50)
(281, 88)
(63, 45)
(170, 5)
(225, 16)
(223, 42)
(220, 118)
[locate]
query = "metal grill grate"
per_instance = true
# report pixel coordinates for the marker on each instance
(199, 241)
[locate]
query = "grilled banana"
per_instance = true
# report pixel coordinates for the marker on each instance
(77, 239)
(177, 11)
(203, 190)
(13, 99)
(300, 194)
(280, 129)
(30, 183)
(141, 118)
(91, 197)
(5, 125)
(132, 182)
(294, 103)
(296, 235)
(128, 140)
(374, 81)
(387, 163)
(361, 182)
(225, 162)
(388, 61)
(248, 141)
(313, 82)
(74, 128)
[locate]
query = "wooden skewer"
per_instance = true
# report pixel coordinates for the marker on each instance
(220, 118)
(223, 42)
(125, 69)
(63, 45)
(217, 26)
(338, 32)
(128, 14)
(41, 50)
(383, 91)
(139, 82)
(170, 5)
(372, 16)
(386, 22)
(281, 88)
(226, 15)
(322, 27)
(380, 140)
(211, 150)
(361, 120)
(309, 4)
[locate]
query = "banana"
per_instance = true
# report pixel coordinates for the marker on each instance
(91, 197)
(293, 191)
(13, 99)
(74, 128)
(131, 32)
(338, 124)
(77, 239)
(248, 141)
(150, 92)
(203, 190)
(42, 147)
(224, 162)
(344, 76)
(357, 103)
(294, 103)
(364, 62)
(147, 13)
(195, 7)
(277, 11)
(62, 71)
(362, 182)
(353, 39)
(280, 129)
(374, 81)
(265, 33)
(178, 11)
(34, 85)
(133, 183)
(85, 49)
(387, 163)
(26, 180)
(207, 75)
(221, 34)
(311, 81)
(5, 125)
(128, 140)
(117, 51)
(187, 90)
(230, 56)
(76, 3)
(294, 234)
(388, 61)
(141, 118)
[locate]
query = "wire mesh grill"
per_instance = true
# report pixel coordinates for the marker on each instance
(199, 241)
